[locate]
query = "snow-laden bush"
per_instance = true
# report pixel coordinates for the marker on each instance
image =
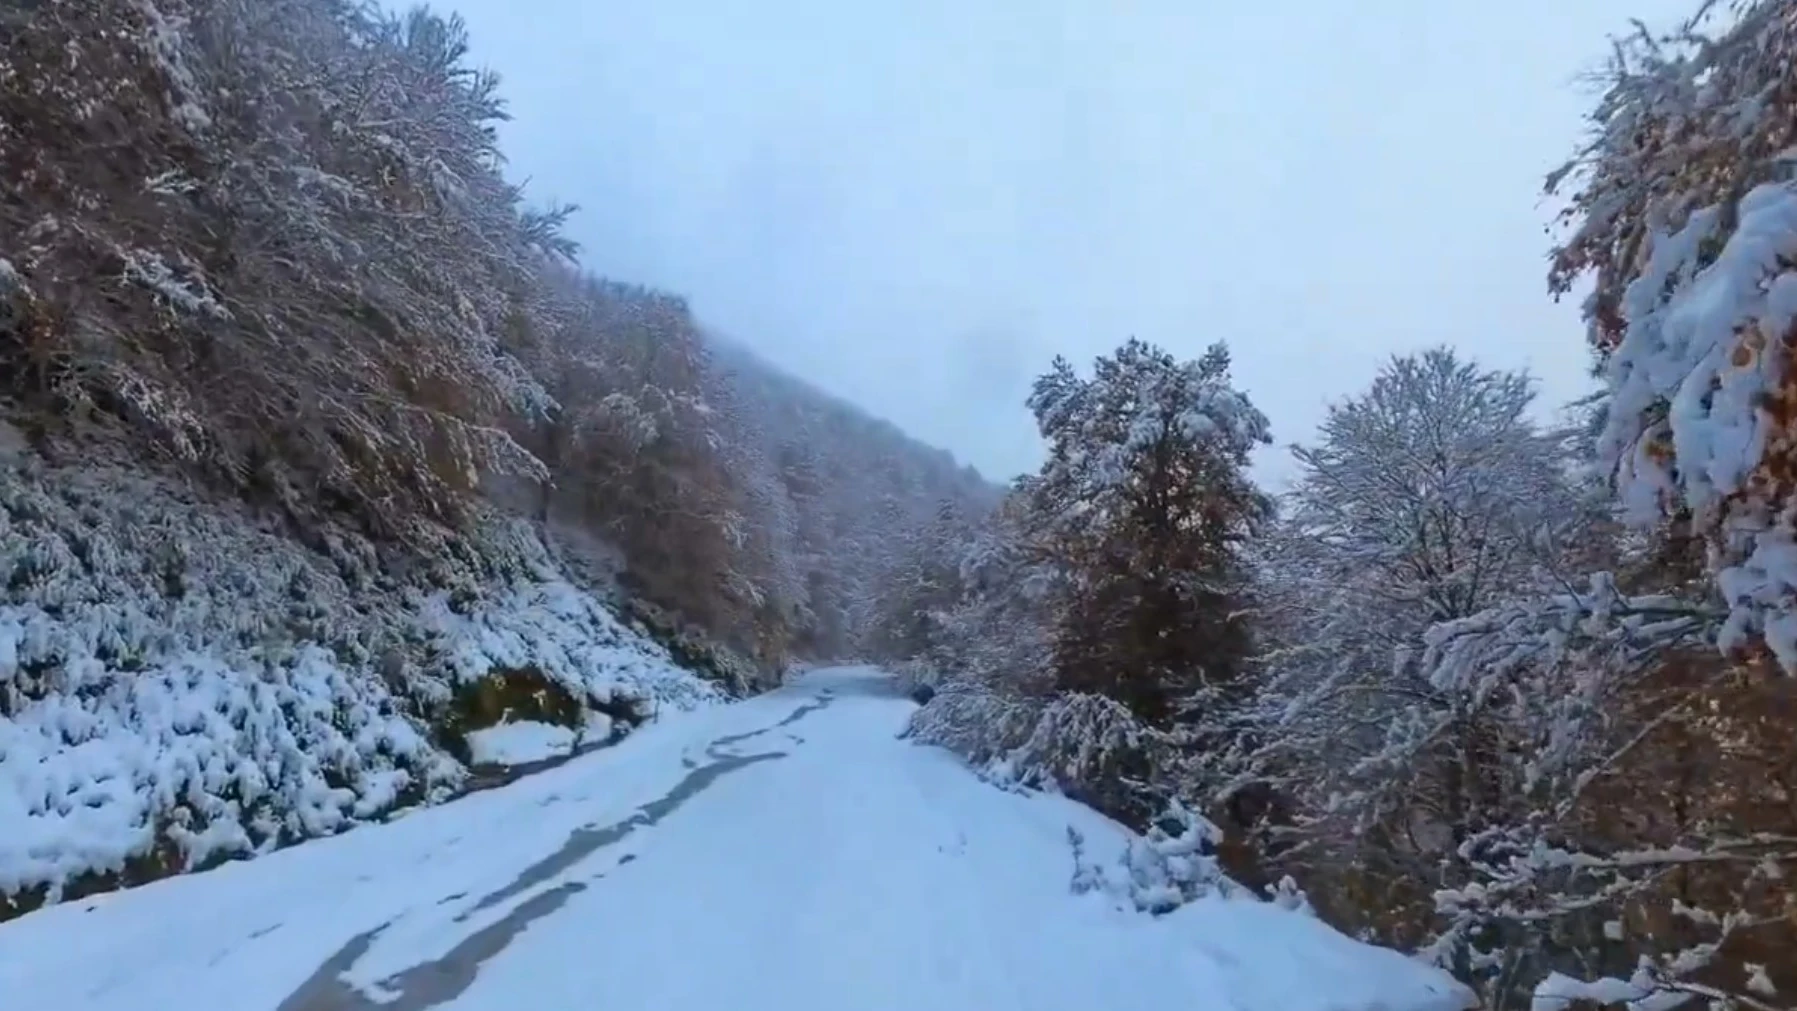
(914, 677)
(1172, 864)
(1081, 740)
(1176, 862)
(698, 651)
(180, 682)
(1087, 746)
(974, 722)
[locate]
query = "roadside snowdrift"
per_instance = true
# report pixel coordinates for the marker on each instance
(180, 683)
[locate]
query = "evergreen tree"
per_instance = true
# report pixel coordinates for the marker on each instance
(1145, 498)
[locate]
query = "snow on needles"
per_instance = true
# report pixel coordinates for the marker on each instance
(178, 684)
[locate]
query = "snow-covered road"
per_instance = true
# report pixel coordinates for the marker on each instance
(783, 853)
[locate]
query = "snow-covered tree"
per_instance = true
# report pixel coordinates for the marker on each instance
(1683, 209)
(1646, 831)
(1145, 499)
(1427, 497)
(1649, 834)
(1432, 493)
(1098, 620)
(922, 587)
(293, 265)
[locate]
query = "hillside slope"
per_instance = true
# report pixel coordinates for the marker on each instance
(180, 683)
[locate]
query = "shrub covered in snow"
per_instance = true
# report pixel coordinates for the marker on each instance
(1085, 745)
(1176, 862)
(1172, 864)
(181, 683)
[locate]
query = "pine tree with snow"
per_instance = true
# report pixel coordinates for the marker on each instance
(1145, 499)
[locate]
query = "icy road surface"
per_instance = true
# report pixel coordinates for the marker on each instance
(786, 853)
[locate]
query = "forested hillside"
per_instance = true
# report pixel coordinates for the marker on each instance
(1516, 697)
(319, 452)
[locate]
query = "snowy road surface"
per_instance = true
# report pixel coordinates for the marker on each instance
(783, 853)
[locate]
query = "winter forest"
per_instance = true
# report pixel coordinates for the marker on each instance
(1512, 694)
(296, 384)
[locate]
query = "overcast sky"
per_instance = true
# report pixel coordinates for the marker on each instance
(916, 204)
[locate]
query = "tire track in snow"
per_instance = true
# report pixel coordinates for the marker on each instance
(438, 981)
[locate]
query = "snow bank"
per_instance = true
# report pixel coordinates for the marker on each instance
(550, 626)
(181, 683)
(1272, 954)
(1559, 992)
(521, 742)
(1288, 960)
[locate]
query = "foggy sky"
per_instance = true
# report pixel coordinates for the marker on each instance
(916, 204)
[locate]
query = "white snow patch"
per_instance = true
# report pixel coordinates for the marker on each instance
(597, 728)
(181, 290)
(518, 743)
(1283, 959)
(1558, 992)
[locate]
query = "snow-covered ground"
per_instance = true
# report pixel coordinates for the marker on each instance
(783, 853)
(521, 742)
